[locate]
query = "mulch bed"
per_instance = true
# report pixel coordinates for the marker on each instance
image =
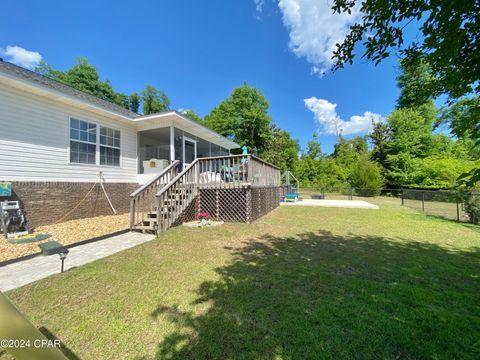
(66, 233)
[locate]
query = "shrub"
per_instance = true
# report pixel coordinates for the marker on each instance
(366, 177)
(471, 201)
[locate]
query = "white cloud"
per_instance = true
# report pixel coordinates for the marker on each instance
(315, 30)
(259, 5)
(330, 123)
(21, 57)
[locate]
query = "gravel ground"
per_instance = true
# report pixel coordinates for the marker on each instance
(66, 233)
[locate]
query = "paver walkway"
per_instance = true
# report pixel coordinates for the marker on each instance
(27, 271)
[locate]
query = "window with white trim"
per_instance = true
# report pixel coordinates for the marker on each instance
(109, 146)
(86, 139)
(83, 142)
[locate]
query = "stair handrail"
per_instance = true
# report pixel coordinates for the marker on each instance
(138, 196)
(154, 179)
(172, 216)
(176, 178)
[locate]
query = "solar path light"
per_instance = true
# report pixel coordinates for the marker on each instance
(63, 256)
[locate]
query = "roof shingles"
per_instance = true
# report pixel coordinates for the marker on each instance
(48, 83)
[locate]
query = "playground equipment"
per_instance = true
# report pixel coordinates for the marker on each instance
(289, 180)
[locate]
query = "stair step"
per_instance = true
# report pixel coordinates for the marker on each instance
(154, 215)
(173, 201)
(174, 197)
(150, 220)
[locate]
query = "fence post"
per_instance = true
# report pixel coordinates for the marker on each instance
(403, 201)
(423, 200)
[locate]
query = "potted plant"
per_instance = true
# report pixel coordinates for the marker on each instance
(203, 217)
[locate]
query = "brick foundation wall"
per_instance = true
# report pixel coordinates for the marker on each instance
(48, 202)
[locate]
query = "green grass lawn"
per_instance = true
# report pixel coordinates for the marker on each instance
(300, 283)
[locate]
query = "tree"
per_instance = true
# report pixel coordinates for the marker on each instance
(281, 150)
(379, 137)
(193, 115)
(464, 118)
(449, 45)
(366, 177)
(314, 149)
(415, 83)
(414, 156)
(45, 69)
(346, 150)
(243, 117)
(84, 77)
(409, 137)
(134, 102)
(154, 100)
(409, 132)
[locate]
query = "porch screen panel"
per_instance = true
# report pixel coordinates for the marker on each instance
(203, 148)
(218, 150)
(178, 144)
(215, 150)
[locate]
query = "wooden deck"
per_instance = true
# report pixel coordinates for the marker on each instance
(173, 197)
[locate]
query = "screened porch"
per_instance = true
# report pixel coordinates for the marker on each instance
(158, 147)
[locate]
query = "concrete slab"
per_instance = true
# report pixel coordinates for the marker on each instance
(27, 271)
(350, 204)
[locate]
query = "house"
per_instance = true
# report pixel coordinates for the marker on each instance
(60, 146)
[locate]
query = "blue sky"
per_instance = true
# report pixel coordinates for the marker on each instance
(198, 51)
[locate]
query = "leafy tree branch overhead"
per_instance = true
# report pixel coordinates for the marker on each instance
(448, 49)
(449, 43)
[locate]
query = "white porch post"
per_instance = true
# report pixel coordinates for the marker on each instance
(172, 144)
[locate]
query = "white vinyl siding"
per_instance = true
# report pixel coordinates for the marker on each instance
(35, 141)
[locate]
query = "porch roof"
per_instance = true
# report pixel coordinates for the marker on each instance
(180, 121)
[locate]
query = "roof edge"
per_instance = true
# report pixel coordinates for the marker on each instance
(36, 79)
(186, 118)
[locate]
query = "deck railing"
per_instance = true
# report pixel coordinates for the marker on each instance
(235, 171)
(262, 173)
(142, 201)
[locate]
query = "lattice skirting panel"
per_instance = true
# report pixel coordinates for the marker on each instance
(189, 213)
(225, 204)
(238, 205)
(263, 200)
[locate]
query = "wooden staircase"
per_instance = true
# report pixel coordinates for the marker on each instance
(172, 204)
(155, 208)
(143, 200)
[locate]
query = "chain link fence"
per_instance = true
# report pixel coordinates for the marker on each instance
(442, 203)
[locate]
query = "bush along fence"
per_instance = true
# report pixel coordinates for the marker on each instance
(455, 205)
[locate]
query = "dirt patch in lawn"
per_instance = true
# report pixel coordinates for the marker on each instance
(66, 233)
